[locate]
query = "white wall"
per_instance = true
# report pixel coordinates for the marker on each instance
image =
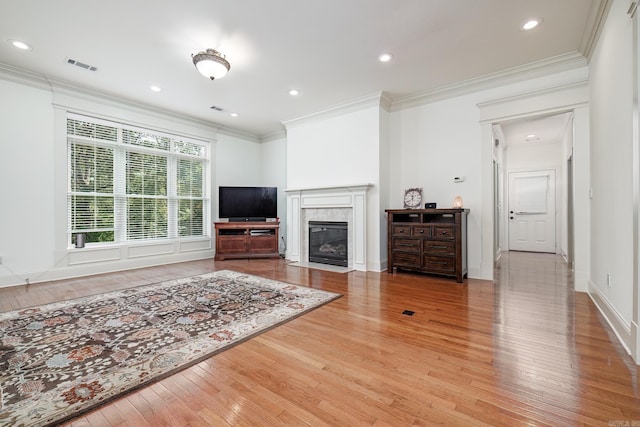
(244, 161)
(27, 176)
(334, 151)
(342, 148)
(238, 162)
(385, 183)
(534, 156)
(273, 155)
(437, 142)
(33, 217)
(611, 110)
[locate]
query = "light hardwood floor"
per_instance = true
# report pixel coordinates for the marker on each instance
(525, 350)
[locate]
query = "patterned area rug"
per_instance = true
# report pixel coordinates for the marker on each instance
(61, 359)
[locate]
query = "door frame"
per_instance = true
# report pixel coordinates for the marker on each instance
(564, 97)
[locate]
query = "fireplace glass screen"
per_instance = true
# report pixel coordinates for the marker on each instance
(328, 242)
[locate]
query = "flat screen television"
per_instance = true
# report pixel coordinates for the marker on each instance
(247, 203)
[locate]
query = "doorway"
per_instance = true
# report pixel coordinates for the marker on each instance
(532, 211)
(537, 190)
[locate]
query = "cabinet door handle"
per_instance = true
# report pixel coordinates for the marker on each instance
(421, 231)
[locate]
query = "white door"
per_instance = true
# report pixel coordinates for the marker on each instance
(532, 211)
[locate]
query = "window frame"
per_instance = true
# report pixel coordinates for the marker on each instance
(174, 148)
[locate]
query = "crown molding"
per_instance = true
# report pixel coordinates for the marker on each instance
(63, 87)
(236, 133)
(529, 94)
(386, 101)
(555, 64)
(274, 136)
(378, 99)
(575, 94)
(24, 77)
(593, 29)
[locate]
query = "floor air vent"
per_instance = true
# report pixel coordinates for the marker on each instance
(81, 65)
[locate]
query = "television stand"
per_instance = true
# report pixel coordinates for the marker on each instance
(236, 240)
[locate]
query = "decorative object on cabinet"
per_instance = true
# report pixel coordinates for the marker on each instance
(457, 202)
(412, 198)
(246, 240)
(430, 205)
(430, 241)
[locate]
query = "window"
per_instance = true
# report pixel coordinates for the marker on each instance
(129, 184)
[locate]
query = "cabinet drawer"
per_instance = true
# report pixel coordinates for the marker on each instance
(439, 264)
(435, 247)
(445, 232)
(406, 259)
(406, 244)
(421, 231)
(401, 230)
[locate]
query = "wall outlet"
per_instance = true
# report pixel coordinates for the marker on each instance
(608, 280)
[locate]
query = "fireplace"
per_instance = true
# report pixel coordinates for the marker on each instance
(328, 242)
(346, 203)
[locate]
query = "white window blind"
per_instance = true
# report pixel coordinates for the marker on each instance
(128, 184)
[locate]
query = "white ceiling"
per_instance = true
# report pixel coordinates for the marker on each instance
(325, 48)
(544, 129)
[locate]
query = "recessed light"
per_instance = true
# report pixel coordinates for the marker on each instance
(233, 114)
(294, 92)
(155, 88)
(531, 135)
(19, 44)
(385, 57)
(530, 24)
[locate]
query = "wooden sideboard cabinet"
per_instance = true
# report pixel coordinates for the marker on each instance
(430, 241)
(246, 240)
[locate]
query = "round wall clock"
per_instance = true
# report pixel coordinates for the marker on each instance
(412, 198)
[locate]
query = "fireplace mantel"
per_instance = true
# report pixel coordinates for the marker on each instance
(352, 197)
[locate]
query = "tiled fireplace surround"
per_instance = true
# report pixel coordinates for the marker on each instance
(339, 203)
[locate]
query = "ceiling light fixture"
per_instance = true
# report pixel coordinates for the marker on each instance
(155, 88)
(294, 92)
(20, 45)
(233, 114)
(385, 57)
(211, 64)
(530, 24)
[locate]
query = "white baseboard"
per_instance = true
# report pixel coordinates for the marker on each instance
(620, 327)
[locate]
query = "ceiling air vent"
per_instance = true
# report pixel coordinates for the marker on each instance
(213, 107)
(81, 65)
